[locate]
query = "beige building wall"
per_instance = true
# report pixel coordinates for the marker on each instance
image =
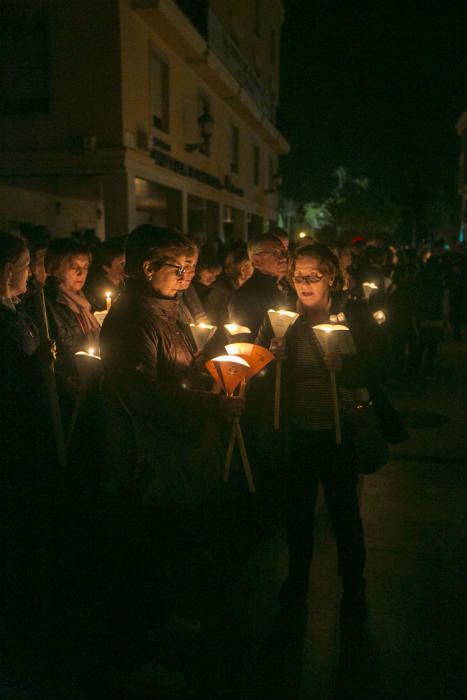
(99, 127)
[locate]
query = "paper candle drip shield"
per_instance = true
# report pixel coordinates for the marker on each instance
(235, 329)
(335, 337)
(99, 316)
(281, 321)
(256, 356)
(228, 371)
(202, 333)
(369, 288)
(88, 364)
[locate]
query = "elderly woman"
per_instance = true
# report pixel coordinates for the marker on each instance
(159, 470)
(72, 325)
(26, 443)
(314, 455)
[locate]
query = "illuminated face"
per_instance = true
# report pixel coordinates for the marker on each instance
(190, 267)
(72, 274)
(208, 276)
(311, 283)
(345, 258)
(116, 271)
(271, 259)
(19, 275)
(38, 266)
(169, 278)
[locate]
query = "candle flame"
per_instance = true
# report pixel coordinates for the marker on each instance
(91, 351)
(380, 317)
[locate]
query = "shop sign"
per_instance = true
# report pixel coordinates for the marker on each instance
(164, 160)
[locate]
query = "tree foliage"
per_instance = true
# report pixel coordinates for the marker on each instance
(354, 206)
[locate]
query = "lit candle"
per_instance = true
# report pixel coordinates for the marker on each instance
(108, 300)
(229, 371)
(235, 329)
(202, 334)
(281, 320)
(369, 288)
(324, 332)
(380, 317)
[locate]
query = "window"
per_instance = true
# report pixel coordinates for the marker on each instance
(159, 86)
(271, 184)
(234, 149)
(256, 165)
(204, 107)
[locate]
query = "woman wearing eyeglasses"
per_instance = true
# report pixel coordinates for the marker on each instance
(308, 418)
(159, 444)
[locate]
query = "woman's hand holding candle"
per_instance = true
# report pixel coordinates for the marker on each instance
(277, 348)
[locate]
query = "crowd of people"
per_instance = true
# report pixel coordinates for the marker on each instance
(134, 444)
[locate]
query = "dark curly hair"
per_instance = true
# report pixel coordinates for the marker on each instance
(148, 242)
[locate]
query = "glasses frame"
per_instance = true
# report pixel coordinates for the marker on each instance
(308, 279)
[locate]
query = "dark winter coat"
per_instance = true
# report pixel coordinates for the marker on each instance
(66, 330)
(252, 300)
(218, 300)
(157, 445)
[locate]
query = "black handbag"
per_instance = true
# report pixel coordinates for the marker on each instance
(370, 445)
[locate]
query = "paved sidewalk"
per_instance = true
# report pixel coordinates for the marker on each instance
(415, 644)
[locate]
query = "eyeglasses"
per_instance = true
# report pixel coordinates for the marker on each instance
(180, 269)
(276, 253)
(308, 279)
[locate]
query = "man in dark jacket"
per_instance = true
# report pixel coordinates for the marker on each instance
(266, 288)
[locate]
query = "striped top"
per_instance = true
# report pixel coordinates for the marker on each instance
(312, 406)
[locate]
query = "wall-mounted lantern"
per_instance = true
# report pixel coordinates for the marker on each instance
(276, 184)
(206, 126)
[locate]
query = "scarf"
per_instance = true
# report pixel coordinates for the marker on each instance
(78, 303)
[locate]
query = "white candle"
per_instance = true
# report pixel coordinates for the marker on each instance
(108, 300)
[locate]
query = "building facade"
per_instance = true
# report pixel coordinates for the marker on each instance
(121, 112)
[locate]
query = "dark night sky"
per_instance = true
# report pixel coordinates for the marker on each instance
(375, 87)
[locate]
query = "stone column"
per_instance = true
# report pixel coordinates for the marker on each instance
(118, 195)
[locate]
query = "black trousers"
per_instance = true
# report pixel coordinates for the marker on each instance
(314, 458)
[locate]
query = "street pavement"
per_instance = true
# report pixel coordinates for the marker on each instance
(414, 643)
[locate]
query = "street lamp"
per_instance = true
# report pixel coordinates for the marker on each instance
(206, 126)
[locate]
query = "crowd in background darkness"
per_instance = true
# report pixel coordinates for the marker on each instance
(141, 502)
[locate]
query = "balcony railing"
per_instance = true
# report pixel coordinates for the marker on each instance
(225, 48)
